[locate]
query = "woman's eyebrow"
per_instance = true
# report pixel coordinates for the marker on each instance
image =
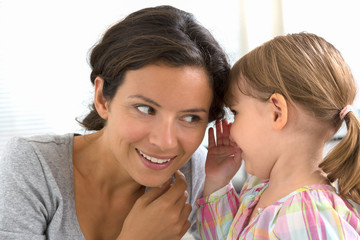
(146, 99)
(194, 110)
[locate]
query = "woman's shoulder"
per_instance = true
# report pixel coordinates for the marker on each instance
(21, 153)
(36, 180)
(43, 161)
(37, 140)
(50, 140)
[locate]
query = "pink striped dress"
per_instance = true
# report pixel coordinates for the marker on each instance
(311, 212)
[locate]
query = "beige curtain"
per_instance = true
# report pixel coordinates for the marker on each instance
(260, 20)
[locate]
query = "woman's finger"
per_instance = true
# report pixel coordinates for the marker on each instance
(155, 192)
(177, 190)
(185, 215)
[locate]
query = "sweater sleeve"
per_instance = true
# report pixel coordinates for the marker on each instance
(25, 198)
(216, 213)
(194, 171)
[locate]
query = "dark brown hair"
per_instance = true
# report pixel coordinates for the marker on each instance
(158, 34)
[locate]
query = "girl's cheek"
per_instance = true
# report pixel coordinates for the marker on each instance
(232, 132)
(235, 133)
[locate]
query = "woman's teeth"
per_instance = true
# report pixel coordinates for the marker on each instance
(153, 159)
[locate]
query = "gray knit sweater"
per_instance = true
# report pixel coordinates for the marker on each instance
(37, 188)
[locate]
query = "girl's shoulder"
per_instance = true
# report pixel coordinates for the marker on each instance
(316, 208)
(317, 195)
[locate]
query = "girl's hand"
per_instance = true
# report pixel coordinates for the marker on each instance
(223, 158)
(161, 213)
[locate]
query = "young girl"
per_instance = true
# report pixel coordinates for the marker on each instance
(289, 97)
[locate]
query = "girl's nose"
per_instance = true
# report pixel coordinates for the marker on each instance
(163, 135)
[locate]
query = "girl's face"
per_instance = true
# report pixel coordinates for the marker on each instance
(157, 120)
(251, 130)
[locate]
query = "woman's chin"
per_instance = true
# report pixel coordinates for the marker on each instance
(153, 182)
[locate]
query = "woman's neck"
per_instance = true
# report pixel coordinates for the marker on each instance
(94, 165)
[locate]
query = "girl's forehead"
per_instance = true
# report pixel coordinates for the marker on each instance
(233, 95)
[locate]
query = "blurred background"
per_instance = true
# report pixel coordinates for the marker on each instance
(44, 47)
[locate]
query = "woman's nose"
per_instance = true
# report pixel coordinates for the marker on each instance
(163, 135)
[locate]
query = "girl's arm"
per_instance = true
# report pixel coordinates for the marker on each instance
(220, 203)
(216, 213)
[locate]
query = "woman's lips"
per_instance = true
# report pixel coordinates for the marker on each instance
(155, 163)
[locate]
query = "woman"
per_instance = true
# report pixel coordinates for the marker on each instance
(159, 78)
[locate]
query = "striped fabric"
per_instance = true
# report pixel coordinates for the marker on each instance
(311, 212)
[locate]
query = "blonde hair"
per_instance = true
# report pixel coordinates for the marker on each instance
(308, 70)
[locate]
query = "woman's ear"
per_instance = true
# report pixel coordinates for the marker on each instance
(279, 111)
(100, 102)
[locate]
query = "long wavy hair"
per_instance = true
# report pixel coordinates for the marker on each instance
(157, 34)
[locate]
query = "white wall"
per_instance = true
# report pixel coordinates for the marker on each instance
(44, 44)
(337, 21)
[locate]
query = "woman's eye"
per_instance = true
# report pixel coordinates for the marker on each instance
(145, 109)
(192, 119)
(233, 112)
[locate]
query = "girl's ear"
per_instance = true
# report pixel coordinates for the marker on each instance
(101, 104)
(279, 111)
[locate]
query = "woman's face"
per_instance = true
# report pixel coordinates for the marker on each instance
(157, 120)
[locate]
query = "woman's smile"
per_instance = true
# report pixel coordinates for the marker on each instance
(155, 159)
(155, 163)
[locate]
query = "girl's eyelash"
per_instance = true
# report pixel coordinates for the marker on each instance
(233, 112)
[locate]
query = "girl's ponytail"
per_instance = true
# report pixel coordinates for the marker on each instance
(343, 162)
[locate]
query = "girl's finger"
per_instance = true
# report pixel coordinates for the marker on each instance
(226, 132)
(211, 138)
(219, 137)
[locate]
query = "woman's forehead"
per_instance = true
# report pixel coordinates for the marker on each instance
(164, 84)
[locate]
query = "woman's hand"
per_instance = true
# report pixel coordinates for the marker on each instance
(223, 158)
(161, 213)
